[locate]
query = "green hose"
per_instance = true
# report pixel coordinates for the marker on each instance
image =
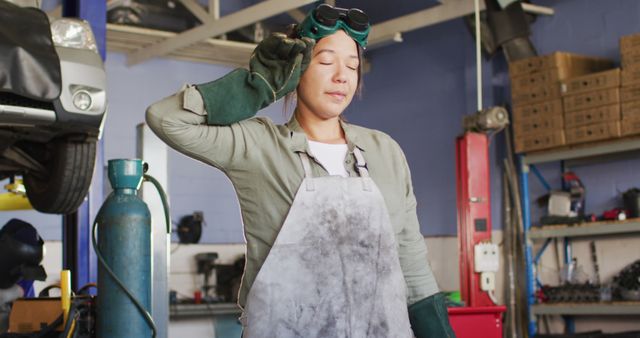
(163, 198)
(145, 314)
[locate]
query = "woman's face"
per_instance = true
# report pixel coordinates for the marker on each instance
(329, 83)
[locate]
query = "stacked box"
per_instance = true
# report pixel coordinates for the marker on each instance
(538, 119)
(592, 106)
(630, 80)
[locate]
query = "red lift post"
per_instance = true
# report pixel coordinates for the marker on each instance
(474, 211)
(480, 313)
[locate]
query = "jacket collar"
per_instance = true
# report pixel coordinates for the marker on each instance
(299, 138)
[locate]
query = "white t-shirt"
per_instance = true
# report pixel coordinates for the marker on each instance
(331, 156)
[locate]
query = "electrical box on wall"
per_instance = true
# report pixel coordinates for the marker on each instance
(486, 257)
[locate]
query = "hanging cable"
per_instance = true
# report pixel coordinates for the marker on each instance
(163, 198)
(478, 55)
(492, 296)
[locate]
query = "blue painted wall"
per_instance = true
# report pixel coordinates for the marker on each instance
(417, 91)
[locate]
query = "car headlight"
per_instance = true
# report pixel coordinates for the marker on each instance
(73, 33)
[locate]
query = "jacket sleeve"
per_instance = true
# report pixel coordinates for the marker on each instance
(180, 121)
(412, 249)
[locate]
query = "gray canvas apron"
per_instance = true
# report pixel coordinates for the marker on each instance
(333, 270)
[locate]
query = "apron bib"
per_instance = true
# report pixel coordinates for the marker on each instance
(333, 270)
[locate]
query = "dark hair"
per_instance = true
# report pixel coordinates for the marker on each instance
(292, 32)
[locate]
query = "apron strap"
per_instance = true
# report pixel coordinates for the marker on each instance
(306, 164)
(361, 167)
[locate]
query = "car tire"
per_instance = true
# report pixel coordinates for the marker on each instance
(70, 172)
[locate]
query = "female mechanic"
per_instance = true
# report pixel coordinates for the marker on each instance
(334, 247)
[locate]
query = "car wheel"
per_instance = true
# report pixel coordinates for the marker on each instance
(70, 172)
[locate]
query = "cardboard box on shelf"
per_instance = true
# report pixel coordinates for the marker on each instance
(631, 126)
(630, 76)
(630, 42)
(539, 141)
(561, 60)
(525, 82)
(546, 77)
(593, 132)
(630, 59)
(537, 124)
(600, 114)
(591, 82)
(630, 109)
(545, 108)
(630, 93)
(591, 99)
(537, 94)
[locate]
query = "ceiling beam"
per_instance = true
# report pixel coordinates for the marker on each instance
(382, 41)
(446, 11)
(223, 25)
(127, 39)
(536, 9)
(385, 32)
(214, 8)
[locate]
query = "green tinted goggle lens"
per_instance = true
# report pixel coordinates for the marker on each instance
(326, 20)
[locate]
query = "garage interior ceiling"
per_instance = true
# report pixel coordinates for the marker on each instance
(197, 44)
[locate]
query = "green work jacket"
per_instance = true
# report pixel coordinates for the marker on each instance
(260, 158)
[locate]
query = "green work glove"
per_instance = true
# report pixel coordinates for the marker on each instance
(429, 318)
(275, 68)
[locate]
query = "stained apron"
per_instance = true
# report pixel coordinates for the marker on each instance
(333, 270)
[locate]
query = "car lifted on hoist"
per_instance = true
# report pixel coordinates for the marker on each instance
(52, 106)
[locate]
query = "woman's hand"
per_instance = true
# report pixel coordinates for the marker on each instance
(280, 61)
(275, 68)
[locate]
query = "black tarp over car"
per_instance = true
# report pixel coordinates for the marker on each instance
(26, 46)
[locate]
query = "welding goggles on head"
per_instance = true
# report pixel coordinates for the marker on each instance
(325, 20)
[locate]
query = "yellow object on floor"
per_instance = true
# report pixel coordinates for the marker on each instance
(10, 201)
(15, 198)
(65, 290)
